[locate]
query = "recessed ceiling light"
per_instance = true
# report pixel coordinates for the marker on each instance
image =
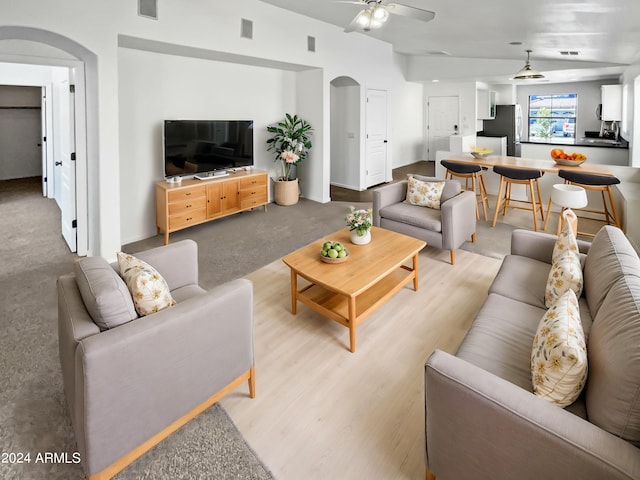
(515, 43)
(435, 81)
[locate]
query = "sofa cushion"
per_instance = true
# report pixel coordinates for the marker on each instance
(424, 194)
(148, 288)
(523, 279)
(501, 337)
(609, 258)
(613, 386)
(421, 217)
(104, 293)
(559, 354)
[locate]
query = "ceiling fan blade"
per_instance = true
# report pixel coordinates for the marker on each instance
(413, 12)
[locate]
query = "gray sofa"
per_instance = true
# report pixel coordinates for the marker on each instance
(482, 419)
(447, 228)
(131, 386)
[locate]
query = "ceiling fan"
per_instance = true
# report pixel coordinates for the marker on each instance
(376, 13)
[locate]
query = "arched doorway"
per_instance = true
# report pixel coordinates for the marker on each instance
(82, 64)
(346, 141)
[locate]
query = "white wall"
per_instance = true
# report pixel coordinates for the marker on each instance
(155, 87)
(211, 28)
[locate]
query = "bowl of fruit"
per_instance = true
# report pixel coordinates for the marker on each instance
(568, 159)
(333, 252)
(480, 152)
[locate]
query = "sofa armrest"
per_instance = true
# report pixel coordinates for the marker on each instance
(387, 195)
(538, 245)
(458, 216)
(135, 380)
(481, 426)
(176, 262)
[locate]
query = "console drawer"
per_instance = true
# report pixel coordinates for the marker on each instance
(252, 199)
(184, 219)
(186, 194)
(253, 181)
(188, 205)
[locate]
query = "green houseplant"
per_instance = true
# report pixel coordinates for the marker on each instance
(291, 143)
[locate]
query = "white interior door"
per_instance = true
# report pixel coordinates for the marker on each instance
(376, 137)
(65, 165)
(43, 143)
(443, 120)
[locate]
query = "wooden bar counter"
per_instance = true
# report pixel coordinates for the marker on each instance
(518, 162)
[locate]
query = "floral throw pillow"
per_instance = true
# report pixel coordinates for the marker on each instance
(559, 355)
(566, 270)
(149, 290)
(424, 194)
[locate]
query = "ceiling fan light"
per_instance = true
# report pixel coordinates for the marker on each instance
(379, 13)
(364, 19)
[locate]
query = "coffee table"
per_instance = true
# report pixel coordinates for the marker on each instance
(351, 291)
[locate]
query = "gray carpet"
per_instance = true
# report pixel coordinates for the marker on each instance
(33, 413)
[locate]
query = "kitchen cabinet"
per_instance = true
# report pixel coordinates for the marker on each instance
(611, 102)
(486, 104)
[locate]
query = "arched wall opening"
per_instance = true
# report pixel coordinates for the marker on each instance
(87, 185)
(346, 132)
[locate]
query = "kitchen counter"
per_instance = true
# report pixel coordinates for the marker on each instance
(582, 142)
(599, 154)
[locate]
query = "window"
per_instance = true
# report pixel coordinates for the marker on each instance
(552, 118)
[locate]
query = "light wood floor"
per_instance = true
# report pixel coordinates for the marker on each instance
(322, 412)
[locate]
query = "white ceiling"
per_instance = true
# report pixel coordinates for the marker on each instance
(605, 33)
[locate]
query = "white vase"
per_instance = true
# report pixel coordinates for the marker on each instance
(360, 239)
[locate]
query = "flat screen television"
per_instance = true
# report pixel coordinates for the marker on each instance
(197, 146)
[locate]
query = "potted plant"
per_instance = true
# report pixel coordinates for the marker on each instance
(359, 223)
(291, 143)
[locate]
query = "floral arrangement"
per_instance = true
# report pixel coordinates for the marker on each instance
(359, 220)
(291, 142)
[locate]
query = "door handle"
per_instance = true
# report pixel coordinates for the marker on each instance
(58, 163)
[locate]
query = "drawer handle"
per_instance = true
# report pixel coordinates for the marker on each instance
(188, 193)
(189, 206)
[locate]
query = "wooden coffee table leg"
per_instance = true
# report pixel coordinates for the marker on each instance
(415, 272)
(294, 291)
(352, 324)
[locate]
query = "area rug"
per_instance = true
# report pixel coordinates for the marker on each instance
(322, 412)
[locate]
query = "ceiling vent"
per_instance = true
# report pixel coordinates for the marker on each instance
(569, 52)
(246, 28)
(148, 9)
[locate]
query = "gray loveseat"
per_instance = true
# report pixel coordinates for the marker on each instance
(131, 386)
(447, 228)
(482, 419)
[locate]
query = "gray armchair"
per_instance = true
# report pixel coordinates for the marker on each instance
(447, 228)
(130, 386)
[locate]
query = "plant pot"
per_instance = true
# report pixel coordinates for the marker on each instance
(360, 239)
(286, 192)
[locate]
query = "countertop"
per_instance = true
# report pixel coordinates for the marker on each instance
(582, 142)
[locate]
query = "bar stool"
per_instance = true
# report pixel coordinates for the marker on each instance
(473, 173)
(596, 182)
(519, 176)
